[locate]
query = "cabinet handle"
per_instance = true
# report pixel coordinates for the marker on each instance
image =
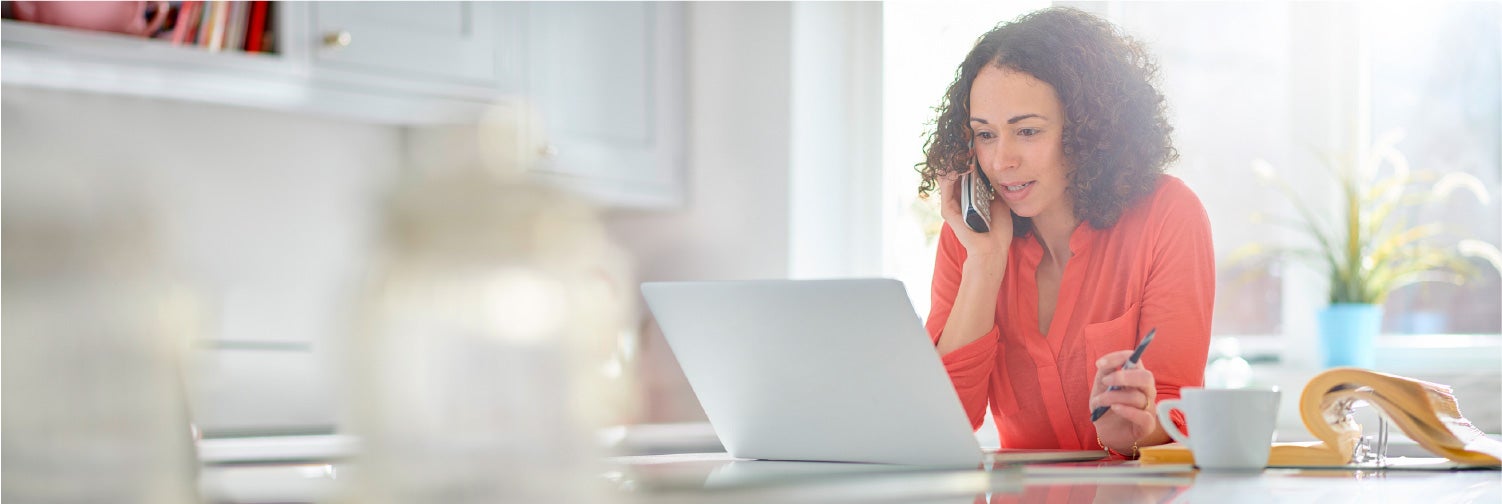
(337, 40)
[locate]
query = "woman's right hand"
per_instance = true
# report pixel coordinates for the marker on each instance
(972, 313)
(992, 243)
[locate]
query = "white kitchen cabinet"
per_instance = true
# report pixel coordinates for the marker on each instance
(608, 80)
(462, 49)
(399, 63)
(445, 40)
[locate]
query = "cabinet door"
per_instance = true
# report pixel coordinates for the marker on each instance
(608, 81)
(424, 40)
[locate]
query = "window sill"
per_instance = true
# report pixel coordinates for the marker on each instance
(1402, 353)
(1453, 353)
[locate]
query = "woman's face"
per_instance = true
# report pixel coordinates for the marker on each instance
(1019, 140)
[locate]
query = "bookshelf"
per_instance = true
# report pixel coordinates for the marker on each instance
(304, 75)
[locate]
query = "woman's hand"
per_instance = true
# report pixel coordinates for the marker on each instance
(992, 243)
(1132, 396)
(973, 312)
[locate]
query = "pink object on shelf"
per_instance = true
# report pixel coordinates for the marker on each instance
(118, 17)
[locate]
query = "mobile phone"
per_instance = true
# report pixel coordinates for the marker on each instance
(975, 200)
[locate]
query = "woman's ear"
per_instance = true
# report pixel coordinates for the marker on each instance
(974, 160)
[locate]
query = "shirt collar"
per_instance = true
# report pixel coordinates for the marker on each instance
(1079, 241)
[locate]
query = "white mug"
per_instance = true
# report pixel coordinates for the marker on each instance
(1232, 428)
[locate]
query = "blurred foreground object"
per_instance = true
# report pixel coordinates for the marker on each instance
(1227, 369)
(475, 368)
(95, 408)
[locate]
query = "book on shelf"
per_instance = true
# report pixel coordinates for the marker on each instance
(182, 27)
(205, 24)
(257, 27)
(1426, 412)
(218, 25)
(239, 17)
(231, 13)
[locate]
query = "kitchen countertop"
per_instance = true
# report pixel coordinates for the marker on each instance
(719, 478)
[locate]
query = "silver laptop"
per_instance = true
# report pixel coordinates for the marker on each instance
(815, 370)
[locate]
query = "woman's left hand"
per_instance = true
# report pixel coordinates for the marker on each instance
(1132, 396)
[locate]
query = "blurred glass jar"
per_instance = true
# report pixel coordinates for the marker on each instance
(95, 405)
(475, 371)
(1226, 367)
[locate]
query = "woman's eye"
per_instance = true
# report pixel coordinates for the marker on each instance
(985, 135)
(1027, 132)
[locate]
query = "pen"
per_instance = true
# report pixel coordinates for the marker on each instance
(1130, 363)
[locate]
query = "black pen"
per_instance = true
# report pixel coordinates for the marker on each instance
(1130, 363)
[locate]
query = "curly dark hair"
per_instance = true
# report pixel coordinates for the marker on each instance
(1116, 131)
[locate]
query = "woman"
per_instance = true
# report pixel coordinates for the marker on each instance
(1037, 316)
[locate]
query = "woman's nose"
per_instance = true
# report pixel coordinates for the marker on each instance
(1002, 157)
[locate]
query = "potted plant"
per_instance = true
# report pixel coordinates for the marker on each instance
(1370, 248)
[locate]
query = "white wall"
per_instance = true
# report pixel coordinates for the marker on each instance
(783, 163)
(836, 171)
(735, 225)
(269, 215)
(735, 222)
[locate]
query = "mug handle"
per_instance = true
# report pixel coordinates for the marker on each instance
(159, 20)
(1164, 407)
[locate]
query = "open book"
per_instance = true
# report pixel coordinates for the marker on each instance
(1426, 412)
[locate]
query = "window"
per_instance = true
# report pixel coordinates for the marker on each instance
(1228, 93)
(1436, 75)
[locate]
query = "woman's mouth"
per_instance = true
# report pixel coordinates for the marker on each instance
(1016, 191)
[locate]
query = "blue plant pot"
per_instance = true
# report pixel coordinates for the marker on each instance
(1348, 334)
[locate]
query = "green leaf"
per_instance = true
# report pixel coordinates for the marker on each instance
(1374, 250)
(1380, 254)
(1377, 220)
(1407, 268)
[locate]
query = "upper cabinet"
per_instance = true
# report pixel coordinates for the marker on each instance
(445, 40)
(608, 79)
(392, 63)
(459, 44)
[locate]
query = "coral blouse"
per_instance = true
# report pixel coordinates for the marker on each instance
(1154, 268)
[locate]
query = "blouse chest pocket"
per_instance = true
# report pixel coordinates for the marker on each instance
(1119, 333)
